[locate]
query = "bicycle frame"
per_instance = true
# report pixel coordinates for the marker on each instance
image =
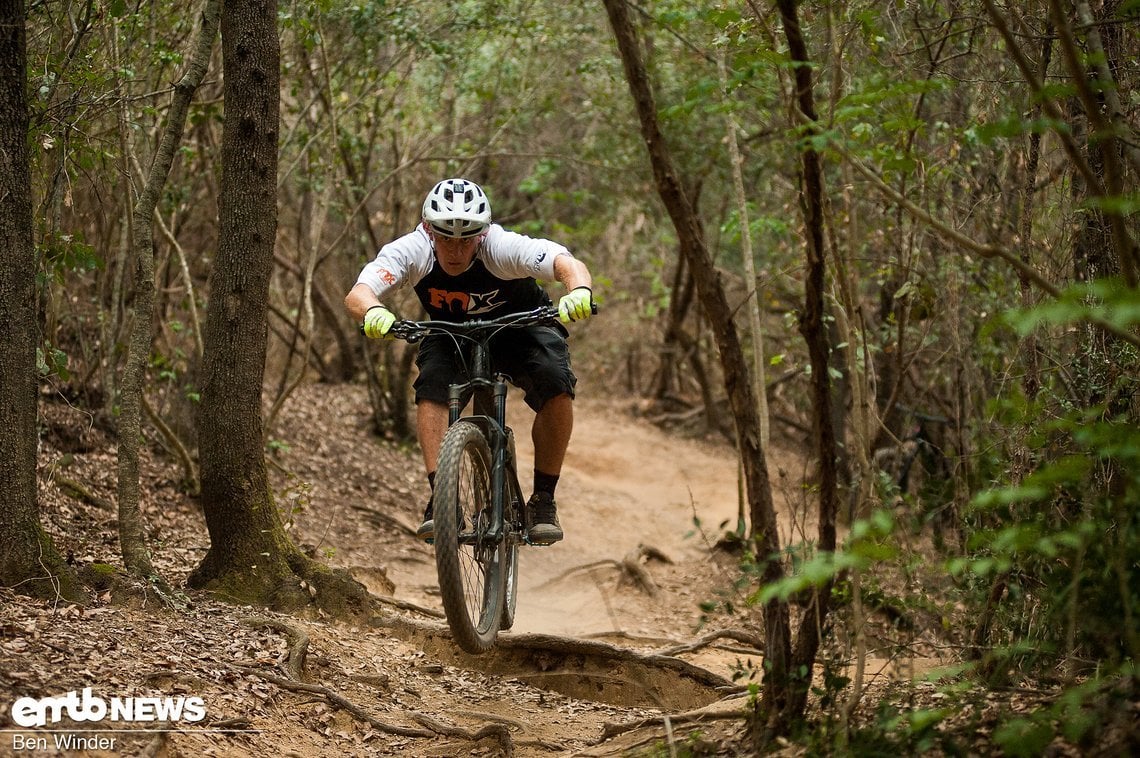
(494, 426)
(477, 543)
(489, 402)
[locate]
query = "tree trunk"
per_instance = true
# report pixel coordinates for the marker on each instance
(251, 559)
(733, 363)
(815, 335)
(1031, 381)
(132, 536)
(680, 299)
(756, 330)
(28, 559)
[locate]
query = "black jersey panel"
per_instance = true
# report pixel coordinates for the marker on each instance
(476, 293)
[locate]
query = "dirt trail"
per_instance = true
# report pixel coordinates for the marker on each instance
(625, 483)
(353, 502)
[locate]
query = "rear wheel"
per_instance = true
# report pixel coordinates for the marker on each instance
(470, 566)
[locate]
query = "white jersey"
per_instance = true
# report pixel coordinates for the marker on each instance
(506, 255)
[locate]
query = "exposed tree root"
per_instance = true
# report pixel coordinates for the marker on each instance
(500, 732)
(754, 641)
(80, 492)
(621, 634)
(298, 643)
(725, 710)
(567, 646)
(338, 700)
(575, 646)
(629, 566)
(286, 580)
(295, 666)
(157, 745)
(379, 518)
(432, 727)
(406, 606)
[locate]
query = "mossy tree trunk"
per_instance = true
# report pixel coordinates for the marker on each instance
(251, 559)
(28, 559)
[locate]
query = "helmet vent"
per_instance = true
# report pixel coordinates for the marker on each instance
(457, 208)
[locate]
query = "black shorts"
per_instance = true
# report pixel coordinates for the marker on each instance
(535, 359)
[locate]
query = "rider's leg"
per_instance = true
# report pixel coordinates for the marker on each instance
(551, 434)
(437, 364)
(538, 361)
(431, 425)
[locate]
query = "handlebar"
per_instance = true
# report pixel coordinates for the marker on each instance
(414, 331)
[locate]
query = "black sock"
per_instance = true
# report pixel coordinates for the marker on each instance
(545, 482)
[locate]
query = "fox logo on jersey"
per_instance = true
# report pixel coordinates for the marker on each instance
(469, 303)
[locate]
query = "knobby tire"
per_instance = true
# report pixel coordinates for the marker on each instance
(514, 510)
(471, 575)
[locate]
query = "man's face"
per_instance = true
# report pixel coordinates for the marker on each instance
(454, 254)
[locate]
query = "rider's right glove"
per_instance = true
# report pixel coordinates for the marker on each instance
(377, 321)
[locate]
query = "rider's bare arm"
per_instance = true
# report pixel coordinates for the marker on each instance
(571, 272)
(359, 299)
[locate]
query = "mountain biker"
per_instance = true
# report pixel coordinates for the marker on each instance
(461, 267)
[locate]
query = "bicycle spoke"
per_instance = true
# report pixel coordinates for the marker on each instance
(474, 491)
(468, 561)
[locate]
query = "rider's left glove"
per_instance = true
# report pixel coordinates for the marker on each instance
(576, 305)
(377, 321)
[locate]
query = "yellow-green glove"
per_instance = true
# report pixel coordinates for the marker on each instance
(377, 321)
(575, 305)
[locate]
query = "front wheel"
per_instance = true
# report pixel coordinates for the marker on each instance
(470, 566)
(514, 516)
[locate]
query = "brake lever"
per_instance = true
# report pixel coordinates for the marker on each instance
(408, 331)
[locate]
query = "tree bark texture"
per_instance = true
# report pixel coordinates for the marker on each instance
(815, 335)
(251, 558)
(28, 560)
(733, 362)
(247, 541)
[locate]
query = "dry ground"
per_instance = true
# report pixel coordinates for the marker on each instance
(581, 668)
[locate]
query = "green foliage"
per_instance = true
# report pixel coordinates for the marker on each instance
(1014, 126)
(64, 254)
(51, 362)
(899, 731)
(1064, 533)
(1109, 300)
(914, 732)
(1077, 716)
(869, 543)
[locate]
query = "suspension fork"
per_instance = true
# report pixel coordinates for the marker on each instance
(500, 451)
(454, 403)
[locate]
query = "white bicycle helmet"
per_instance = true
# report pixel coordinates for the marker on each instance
(457, 208)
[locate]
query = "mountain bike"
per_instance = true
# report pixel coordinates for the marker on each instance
(478, 505)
